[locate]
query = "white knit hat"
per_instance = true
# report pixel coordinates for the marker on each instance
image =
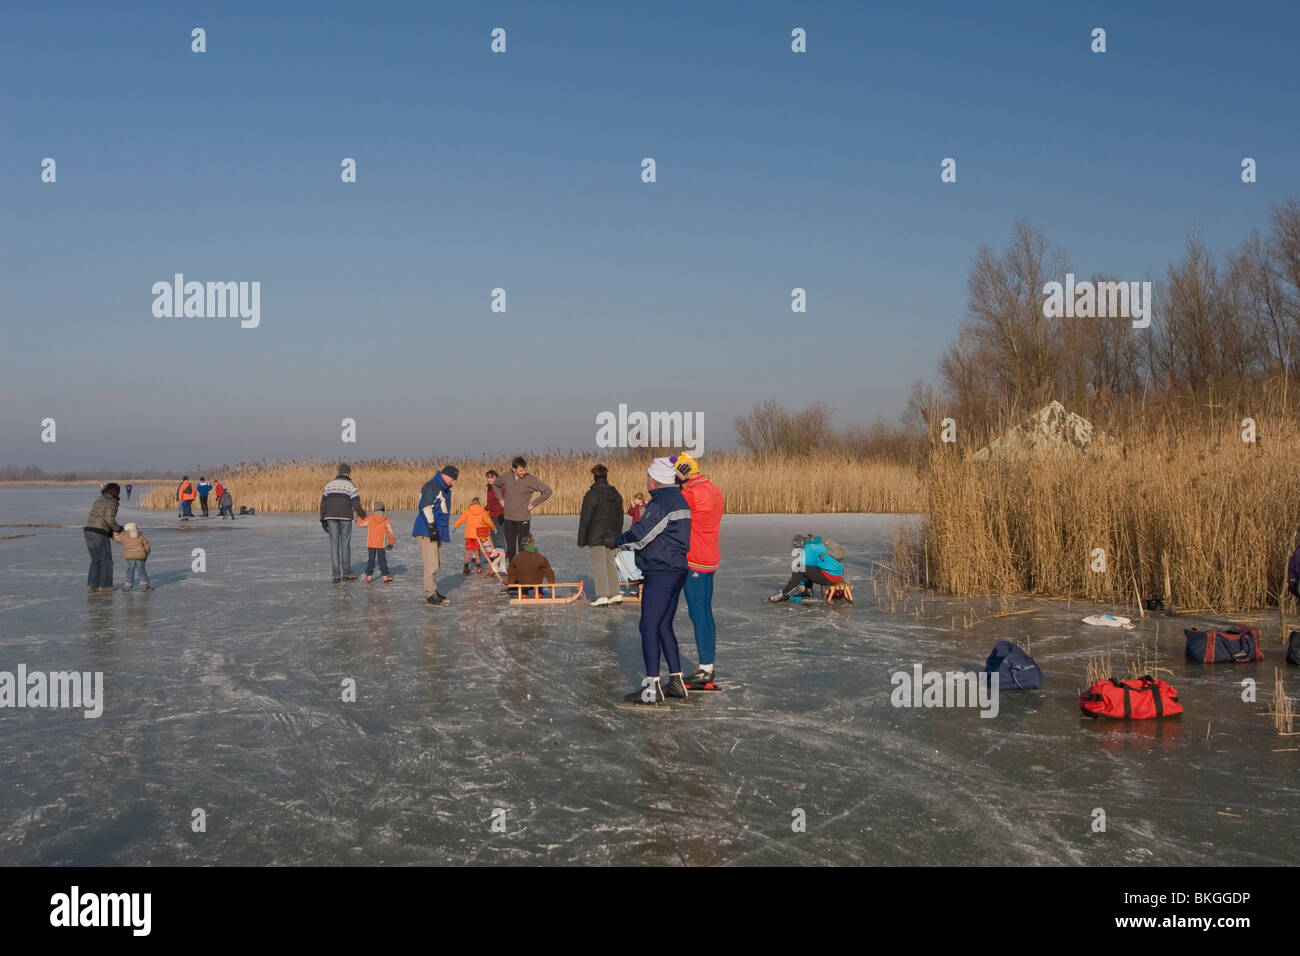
(661, 470)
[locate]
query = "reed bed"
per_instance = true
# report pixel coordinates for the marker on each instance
(1203, 524)
(751, 484)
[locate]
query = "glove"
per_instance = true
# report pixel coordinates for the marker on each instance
(323, 526)
(388, 547)
(433, 534)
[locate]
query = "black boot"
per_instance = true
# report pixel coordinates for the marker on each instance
(650, 693)
(676, 687)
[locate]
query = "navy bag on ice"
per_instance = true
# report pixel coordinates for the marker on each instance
(1016, 670)
(1236, 646)
(1293, 648)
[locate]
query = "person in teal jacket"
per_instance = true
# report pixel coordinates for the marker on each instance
(812, 564)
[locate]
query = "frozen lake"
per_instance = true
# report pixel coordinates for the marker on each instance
(223, 692)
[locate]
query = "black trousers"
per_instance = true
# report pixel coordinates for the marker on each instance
(514, 531)
(203, 503)
(809, 576)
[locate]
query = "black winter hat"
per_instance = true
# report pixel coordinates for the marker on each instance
(452, 472)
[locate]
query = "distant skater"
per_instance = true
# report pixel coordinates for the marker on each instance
(707, 507)
(205, 489)
(128, 491)
(379, 539)
(217, 491)
(186, 494)
(600, 522)
(519, 489)
(339, 501)
(99, 529)
(432, 514)
(135, 549)
(226, 505)
(660, 541)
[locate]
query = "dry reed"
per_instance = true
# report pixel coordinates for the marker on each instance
(752, 485)
(1216, 520)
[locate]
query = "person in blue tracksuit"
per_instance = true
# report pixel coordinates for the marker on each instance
(431, 528)
(660, 541)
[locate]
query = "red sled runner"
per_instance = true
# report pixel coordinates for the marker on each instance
(1139, 699)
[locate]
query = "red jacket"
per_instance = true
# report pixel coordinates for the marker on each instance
(496, 506)
(707, 507)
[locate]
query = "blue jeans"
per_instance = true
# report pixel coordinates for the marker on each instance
(340, 546)
(135, 568)
(186, 510)
(659, 596)
(699, 602)
(100, 547)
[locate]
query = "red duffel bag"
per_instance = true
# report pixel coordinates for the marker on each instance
(1138, 699)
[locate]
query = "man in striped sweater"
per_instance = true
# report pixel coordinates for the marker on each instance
(338, 503)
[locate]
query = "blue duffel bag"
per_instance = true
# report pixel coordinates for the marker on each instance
(1016, 670)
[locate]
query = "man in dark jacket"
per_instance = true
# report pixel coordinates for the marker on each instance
(431, 528)
(99, 529)
(519, 488)
(338, 503)
(660, 541)
(599, 524)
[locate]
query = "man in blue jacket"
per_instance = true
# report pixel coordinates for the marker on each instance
(431, 527)
(660, 541)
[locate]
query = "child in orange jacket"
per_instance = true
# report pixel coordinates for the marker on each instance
(379, 538)
(478, 527)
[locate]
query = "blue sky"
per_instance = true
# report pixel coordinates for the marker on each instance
(522, 171)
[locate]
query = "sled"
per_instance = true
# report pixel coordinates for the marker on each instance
(842, 590)
(521, 598)
(635, 596)
(483, 545)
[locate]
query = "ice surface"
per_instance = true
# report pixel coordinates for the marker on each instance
(224, 692)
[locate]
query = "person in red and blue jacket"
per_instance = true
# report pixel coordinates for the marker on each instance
(660, 541)
(431, 527)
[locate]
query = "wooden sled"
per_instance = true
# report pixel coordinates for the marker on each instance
(520, 597)
(635, 596)
(483, 545)
(842, 590)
